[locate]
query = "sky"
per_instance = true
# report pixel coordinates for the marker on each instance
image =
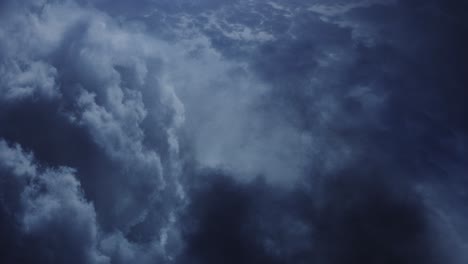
(242, 131)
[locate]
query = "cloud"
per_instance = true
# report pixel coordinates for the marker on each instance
(355, 216)
(27, 79)
(362, 94)
(85, 89)
(50, 213)
(340, 8)
(291, 131)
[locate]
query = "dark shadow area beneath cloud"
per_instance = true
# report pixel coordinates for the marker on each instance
(358, 216)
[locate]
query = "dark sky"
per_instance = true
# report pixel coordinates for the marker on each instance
(243, 131)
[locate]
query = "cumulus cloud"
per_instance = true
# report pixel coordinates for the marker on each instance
(234, 132)
(94, 76)
(27, 79)
(50, 213)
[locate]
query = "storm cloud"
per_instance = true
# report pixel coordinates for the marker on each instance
(233, 131)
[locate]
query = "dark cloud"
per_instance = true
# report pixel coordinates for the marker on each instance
(222, 226)
(355, 217)
(45, 217)
(364, 218)
(234, 132)
(74, 101)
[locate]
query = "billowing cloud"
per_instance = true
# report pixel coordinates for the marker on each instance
(50, 220)
(83, 88)
(233, 131)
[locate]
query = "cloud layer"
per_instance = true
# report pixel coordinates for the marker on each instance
(233, 132)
